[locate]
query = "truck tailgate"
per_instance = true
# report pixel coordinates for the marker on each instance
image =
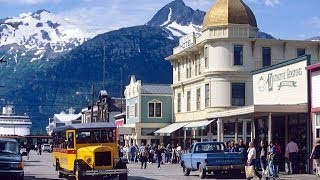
(222, 159)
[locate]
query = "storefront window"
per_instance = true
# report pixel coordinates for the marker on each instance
(229, 128)
(317, 119)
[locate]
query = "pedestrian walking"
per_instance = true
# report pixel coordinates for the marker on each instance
(39, 149)
(159, 152)
(252, 158)
(151, 155)
(315, 154)
(263, 157)
(179, 152)
(28, 148)
(132, 153)
(273, 160)
(292, 150)
(144, 157)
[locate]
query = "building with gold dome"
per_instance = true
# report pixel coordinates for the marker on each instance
(212, 76)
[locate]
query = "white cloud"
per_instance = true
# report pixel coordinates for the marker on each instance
(314, 21)
(199, 4)
(31, 2)
(113, 14)
(270, 3)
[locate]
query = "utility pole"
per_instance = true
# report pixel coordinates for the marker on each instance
(121, 91)
(92, 96)
(104, 68)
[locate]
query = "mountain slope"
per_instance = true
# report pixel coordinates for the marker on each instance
(136, 50)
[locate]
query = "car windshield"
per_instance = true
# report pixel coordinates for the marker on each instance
(9, 147)
(209, 147)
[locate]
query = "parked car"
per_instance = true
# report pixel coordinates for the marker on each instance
(11, 165)
(210, 157)
(46, 147)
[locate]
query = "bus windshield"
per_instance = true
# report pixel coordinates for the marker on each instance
(95, 136)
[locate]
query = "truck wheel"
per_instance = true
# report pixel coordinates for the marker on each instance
(202, 172)
(186, 171)
(123, 176)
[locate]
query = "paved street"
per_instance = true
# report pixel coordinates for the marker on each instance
(40, 167)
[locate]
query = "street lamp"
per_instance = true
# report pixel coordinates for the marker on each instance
(92, 96)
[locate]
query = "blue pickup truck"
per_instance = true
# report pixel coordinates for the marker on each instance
(210, 157)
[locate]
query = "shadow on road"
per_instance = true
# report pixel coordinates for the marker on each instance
(139, 178)
(222, 176)
(33, 177)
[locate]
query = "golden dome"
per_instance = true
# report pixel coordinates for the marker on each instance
(225, 12)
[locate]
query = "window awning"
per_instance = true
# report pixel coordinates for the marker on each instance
(197, 125)
(166, 131)
(126, 129)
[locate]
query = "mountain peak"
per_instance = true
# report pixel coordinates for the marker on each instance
(41, 11)
(176, 16)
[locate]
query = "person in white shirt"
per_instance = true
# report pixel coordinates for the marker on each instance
(292, 150)
(252, 158)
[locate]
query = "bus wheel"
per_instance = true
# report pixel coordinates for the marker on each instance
(123, 176)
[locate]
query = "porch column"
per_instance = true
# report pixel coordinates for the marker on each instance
(220, 130)
(184, 138)
(236, 131)
(244, 131)
(286, 135)
(269, 128)
(253, 130)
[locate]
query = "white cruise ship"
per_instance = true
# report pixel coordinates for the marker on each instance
(12, 124)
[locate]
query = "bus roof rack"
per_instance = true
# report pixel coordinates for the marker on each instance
(85, 126)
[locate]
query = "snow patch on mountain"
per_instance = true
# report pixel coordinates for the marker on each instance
(43, 30)
(178, 18)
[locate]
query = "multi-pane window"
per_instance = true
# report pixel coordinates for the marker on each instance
(136, 110)
(128, 110)
(206, 57)
(238, 94)
(197, 64)
(207, 95)
(188, 100)
(179, 102)
(155, 109)
(198, 99)
(188, 68)
(266, 56)
(301, 52)
(238, 55)
(178, 64)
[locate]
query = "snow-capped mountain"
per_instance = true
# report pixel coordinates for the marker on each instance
(178, 18)
(315, 38)
(43, 32)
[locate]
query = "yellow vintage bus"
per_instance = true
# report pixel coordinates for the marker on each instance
(87, 151)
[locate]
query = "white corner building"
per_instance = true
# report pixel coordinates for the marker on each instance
(212, 72)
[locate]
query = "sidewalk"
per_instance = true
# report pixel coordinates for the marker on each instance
(295, 176)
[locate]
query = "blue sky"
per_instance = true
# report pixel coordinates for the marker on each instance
(284, 19)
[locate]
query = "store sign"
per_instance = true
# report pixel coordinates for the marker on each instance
(132, 111)
(315, 90)
(283, 85)
(187, 41)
